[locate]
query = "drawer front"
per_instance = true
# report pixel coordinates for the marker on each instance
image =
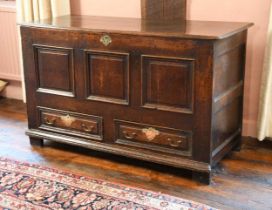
(154, 138)
(71, 123)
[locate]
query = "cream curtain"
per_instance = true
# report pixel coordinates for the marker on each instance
(265, 113)
(35, 10)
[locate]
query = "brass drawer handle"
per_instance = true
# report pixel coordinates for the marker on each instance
(174, 143)
(87, 128)
(129, 136)
(49, 121)
(106, 40)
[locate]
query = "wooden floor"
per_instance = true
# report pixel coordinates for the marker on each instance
(243, 180)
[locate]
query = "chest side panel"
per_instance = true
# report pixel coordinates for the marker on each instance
(229, 66)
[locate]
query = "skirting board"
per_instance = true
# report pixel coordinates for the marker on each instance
(13, 90)
(250, 128)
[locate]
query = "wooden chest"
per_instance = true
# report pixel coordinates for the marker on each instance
(169, 93)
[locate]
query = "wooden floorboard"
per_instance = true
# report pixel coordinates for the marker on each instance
(243, 180)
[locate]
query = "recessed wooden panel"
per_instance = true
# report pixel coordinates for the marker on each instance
(107, 77)
(227, 123)
(55, 70)
(228, 70)
(167, 83)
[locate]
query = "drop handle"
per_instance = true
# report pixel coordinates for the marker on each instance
(129, 136)
(87, 128)
(174, 143)
(49, 121)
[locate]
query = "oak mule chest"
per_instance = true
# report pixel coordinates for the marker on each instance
(169, 93)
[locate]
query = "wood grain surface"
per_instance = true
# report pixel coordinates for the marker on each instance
(175, 28)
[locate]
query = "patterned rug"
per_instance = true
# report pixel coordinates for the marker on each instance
(33, 187)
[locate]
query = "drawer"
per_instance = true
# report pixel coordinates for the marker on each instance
(71, 123)
(155, 138)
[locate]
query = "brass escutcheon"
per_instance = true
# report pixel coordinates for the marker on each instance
(106, 40)
(150, 133)
(67, 120)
